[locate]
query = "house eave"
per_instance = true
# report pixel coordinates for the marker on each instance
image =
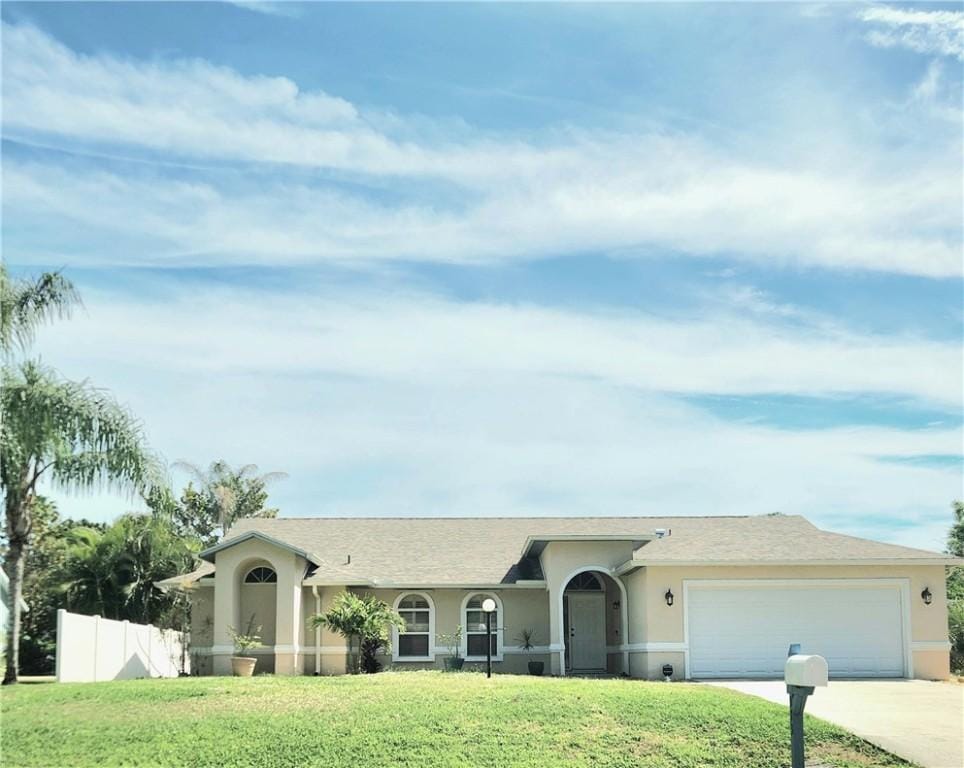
(536, 543)
(209, 553)
(631, 565)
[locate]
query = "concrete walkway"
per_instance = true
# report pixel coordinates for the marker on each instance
(917, 720)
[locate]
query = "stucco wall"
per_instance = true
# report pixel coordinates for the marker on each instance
(232, 564)
(522, 609)
(561, 560)
(653, 634)
(258, 608)
(202, 616)
(655, 622)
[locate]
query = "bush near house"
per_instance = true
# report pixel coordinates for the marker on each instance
(955, 591)
(424, 719)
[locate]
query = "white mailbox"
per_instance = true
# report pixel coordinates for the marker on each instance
(805, 671)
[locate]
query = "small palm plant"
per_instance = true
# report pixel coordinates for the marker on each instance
(365, 621)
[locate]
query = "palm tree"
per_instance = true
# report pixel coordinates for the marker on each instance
(26, 304)
(231, 490)
(366, 619)
(113, 572)
(74, 435)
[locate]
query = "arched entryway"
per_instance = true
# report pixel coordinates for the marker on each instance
(256, 611)
(593, 621)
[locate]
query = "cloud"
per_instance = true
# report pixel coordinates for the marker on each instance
(393, 190)
(280, 8)
(706, 208)
(931, 32)
(413, 338)
(411, 404)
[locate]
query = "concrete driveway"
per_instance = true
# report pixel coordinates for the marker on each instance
(918, 720)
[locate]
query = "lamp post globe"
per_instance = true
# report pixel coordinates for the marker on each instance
(488, 608)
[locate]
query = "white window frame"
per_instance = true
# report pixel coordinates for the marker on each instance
(431, 629)
(499, 628)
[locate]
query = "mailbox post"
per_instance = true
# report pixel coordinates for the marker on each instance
(802, 674)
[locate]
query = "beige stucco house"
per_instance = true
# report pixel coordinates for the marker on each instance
(712, 596)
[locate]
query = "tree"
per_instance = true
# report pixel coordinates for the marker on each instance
(78, 438)
(955, 589)
(26, 304)
(366, 620)
(222, 496)
(955, 537)
(112, 572)
(43, 565)
(955, 546)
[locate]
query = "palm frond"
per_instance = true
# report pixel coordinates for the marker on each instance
(26, 304)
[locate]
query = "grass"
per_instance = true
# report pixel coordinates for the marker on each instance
(407, 719)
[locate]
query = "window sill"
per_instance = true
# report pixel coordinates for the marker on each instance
(412, 658)
(481, 658)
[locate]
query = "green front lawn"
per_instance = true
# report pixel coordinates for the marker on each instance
(409, 718)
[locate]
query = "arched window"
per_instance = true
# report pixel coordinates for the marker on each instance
(261, 575)
(585, 582)
(415, 642)
(473, 621)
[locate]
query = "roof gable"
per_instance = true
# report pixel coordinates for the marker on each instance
(209, 553)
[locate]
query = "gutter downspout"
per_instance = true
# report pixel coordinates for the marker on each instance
(314, 591)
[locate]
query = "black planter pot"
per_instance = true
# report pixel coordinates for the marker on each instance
(537, 668)
(453, 664)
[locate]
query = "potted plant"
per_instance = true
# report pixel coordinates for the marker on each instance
(453, 641)
(527, 642)
(241, 665)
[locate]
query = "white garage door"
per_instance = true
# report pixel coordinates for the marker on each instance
(744, 629)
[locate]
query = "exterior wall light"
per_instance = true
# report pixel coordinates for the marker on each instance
(616, 605)
(926, 596)
(669, 597)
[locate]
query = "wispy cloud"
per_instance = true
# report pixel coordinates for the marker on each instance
(276, 8)
(419, 405)
(931, 32)
(417, 338)
(465, 198)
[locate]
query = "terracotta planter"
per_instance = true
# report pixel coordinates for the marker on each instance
(243, 666)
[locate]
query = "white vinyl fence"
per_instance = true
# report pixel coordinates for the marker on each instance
(90, 648)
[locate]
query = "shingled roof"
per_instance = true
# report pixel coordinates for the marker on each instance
(486, 550)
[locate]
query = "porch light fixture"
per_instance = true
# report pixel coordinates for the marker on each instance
(488, 608)
(669, 597)
(616, 605)
(926, 596)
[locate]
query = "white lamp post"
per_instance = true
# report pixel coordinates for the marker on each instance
(488, 607)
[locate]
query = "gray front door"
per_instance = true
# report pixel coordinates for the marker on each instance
(587, 631)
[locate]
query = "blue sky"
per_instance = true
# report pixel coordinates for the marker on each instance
(534, 259)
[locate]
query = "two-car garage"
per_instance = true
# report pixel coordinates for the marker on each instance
(742, 628)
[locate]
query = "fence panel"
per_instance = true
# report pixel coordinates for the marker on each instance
(90, 648)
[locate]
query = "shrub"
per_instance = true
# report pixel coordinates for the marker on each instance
(365, 619)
